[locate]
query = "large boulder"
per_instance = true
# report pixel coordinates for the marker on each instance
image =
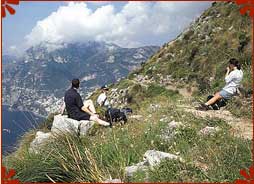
(63, 124)
(40, 139)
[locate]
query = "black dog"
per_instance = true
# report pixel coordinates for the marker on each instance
(115, 115)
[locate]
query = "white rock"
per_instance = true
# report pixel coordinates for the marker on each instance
(155, 157)
(173, 124)
(85, 126)
(209, 130)
(63, 124)
(40, 139)
(138, 117)
(141, 166)
(113, 181)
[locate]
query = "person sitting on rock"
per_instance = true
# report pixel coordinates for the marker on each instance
(233, 78)
(78, 110)
(102, 99)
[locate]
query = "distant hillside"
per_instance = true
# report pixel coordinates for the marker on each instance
(38, 81)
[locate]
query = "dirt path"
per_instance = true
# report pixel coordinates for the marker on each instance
(183, 91)
(241, 127)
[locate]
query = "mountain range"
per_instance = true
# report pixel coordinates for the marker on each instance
(37, 81)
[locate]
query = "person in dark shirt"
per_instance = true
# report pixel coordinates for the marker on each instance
(75, 107)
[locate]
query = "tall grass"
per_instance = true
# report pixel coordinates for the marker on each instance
(105, 153)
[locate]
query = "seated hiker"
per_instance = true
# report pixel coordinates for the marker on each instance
(111, 114)
(78, 110)
(233, 78)
(102, 99)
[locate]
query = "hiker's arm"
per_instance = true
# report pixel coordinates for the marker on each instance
(229, 77)
(227, 73)
(81, 105)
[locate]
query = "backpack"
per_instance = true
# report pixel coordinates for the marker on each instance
(115, 115)
(218, 104)
(126, 110)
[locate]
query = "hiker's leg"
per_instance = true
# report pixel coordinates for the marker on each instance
(99, 121)
(89, 104)
(216, 97)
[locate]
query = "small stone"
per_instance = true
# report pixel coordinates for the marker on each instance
(173, 124)
(138, 117)
(113, 181)
(141, 166)
(209, 130)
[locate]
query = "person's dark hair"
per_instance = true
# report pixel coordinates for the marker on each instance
(75, 83)
(236, 63)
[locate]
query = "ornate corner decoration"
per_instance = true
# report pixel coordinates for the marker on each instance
(246, 6)
(7, 176)
(6, 6)
(249, 177)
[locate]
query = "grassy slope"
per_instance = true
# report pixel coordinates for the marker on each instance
(105, 152)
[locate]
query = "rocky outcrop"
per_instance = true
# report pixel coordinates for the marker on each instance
(151, 158)
(155, 157)
(61, 124)
(41, 139)
(64, 124)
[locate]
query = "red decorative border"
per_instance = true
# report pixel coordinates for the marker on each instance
(249, 178)
(6, 6)
(245, 7)
(7, 176)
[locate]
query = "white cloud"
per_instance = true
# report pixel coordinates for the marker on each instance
(13, 50)
(135, 24)
(13, 47)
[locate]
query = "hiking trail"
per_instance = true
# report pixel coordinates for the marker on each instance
(241, 127)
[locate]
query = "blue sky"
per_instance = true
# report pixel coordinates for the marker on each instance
(128, 24)
(15, 27)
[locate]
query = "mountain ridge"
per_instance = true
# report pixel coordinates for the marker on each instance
(95, 63)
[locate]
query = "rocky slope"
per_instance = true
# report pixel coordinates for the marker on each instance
(195, 62)
(37, 81)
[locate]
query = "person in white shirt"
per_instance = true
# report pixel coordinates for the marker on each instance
(102, 99)
(233, 78)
